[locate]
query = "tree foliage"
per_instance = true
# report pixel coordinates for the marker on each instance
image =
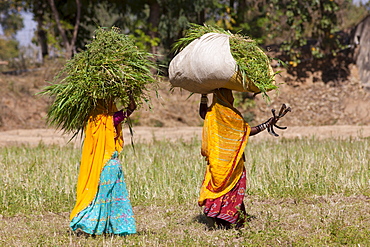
(10, 19)
(156, 24)
(309, 27)
(8, 49)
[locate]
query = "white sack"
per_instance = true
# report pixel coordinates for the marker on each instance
(204, 65)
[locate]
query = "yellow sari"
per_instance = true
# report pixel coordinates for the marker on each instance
(225, 135)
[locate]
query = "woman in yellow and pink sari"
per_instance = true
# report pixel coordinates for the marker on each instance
(102, 204)
(225, 136)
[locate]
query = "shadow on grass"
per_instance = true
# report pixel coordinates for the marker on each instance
(81, 234)
(210, 223)
(202, 219)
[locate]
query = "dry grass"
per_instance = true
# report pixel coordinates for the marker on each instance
(164, 178)
(315, 221)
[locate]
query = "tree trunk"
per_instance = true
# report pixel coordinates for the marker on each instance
(202, 17)
(68, 45)
(242, 11)
(41, 33)
(154, 16)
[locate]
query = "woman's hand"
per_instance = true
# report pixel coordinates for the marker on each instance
(271, 122)
(203, 107)
(132, 105)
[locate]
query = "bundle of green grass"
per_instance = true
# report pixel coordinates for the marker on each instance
(208, 57)
(111, 68)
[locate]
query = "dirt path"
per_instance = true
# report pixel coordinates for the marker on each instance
(146, 134)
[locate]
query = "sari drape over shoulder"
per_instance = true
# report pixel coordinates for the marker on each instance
(102, 139)
(225, 135)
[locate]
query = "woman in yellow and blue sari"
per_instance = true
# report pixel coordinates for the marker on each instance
(103, 204)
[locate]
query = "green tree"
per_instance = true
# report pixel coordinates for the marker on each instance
(10, 18)
(158, 23)
(8, 51)
(11, 21)
(65, 24)
(295, 24)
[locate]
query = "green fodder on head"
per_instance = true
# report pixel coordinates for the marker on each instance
(110, 69)
(196, 31)
(252, 62)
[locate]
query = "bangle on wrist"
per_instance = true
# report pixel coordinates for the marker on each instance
(261, 127)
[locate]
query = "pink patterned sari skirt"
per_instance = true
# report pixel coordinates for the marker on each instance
(229, 207)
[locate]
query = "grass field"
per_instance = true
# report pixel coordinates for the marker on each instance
(302, 192)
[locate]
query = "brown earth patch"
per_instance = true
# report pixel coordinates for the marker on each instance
(333, 109)
(147, 134)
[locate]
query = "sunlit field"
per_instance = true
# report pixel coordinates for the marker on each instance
(301, 192)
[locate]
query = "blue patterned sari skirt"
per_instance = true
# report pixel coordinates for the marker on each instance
(111, 210)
